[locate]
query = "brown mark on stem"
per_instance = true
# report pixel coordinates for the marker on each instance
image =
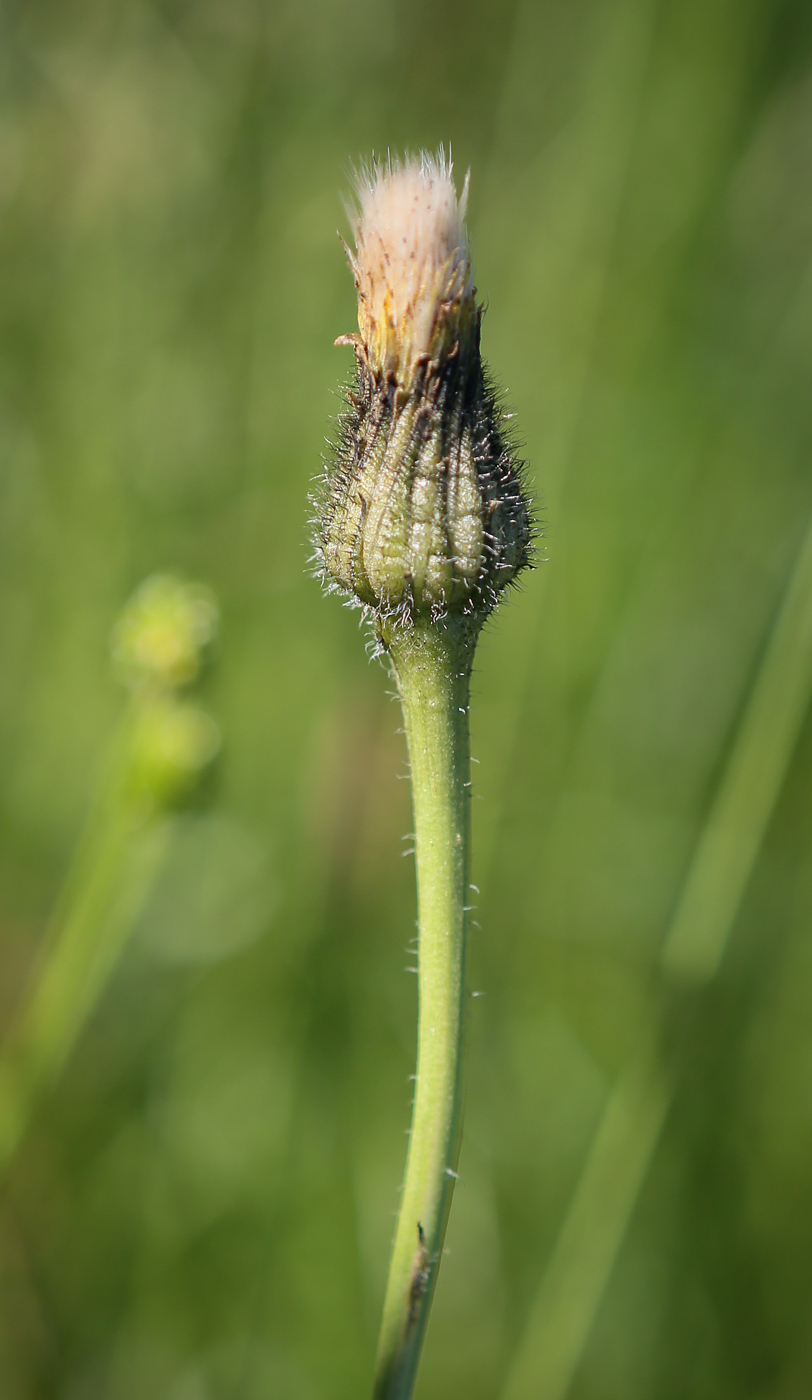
(421, 1274)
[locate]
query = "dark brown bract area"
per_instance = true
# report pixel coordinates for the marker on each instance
(422, 509)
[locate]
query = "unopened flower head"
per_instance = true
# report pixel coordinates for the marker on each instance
(173, 743)
(163, 631)
(422, 510)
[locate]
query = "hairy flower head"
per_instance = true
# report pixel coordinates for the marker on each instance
(421, 510)
(412, 266)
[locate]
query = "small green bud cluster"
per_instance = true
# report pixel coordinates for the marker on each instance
(422, 510)
(158, 645)
(173, 743)
(160, 638)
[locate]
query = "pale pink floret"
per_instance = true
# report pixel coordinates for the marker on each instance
(412, 263)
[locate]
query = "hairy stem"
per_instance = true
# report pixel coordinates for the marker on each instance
(432, 663)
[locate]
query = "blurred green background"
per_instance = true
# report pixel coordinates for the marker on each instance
(202, 1209)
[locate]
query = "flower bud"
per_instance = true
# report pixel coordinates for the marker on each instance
(422, 509)
(159, 639)
(172, 744)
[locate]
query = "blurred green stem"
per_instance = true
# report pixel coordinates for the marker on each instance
(109, 880)
(432, 663)
(158, 753)
(584, 1255)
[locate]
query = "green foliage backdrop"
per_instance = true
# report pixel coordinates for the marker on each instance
(203, 1207)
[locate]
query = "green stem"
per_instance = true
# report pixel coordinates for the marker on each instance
(110, 878)
(432, 663)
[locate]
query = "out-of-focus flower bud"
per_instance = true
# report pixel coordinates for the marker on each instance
(422, 509)
(171, 746)
(159, 640)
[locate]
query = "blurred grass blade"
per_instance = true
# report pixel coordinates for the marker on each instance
(574, 205)
(749, 789)
(581, 1264)
(592, 1233)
